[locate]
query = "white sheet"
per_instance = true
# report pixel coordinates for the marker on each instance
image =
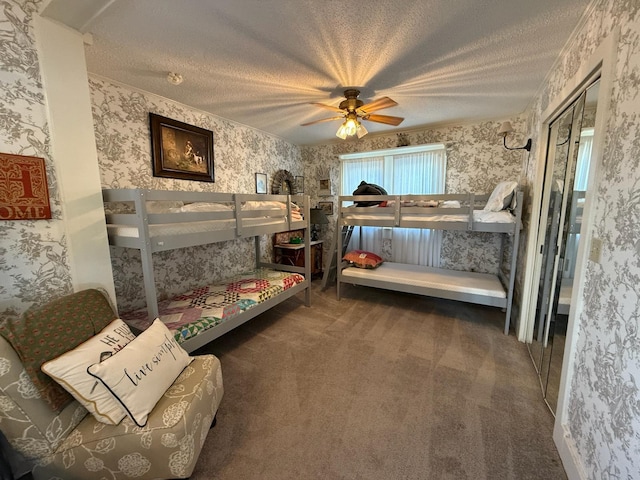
(191, 227)
(479, 216)
(403, 274)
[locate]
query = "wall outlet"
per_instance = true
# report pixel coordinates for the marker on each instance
(595, 251)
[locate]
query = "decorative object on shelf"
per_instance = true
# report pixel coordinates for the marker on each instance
(24, 194)
(180, 150)
(283, 183)
(403, 140)
(299, 184)
(318, 217)
(504, 130)
(261, 183)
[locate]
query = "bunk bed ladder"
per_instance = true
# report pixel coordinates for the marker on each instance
(329, 274)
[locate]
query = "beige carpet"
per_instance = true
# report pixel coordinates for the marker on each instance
(380, 385)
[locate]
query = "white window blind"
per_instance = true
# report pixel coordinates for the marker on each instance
(400, 171)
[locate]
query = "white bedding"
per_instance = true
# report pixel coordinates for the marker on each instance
(479, 216)
(404, 274)
(182, 228)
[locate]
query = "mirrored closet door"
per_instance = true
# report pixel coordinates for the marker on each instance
(566, 181)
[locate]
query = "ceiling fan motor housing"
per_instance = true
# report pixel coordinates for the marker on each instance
(352, 102)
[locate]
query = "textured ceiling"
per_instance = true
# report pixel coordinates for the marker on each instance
(262, 62)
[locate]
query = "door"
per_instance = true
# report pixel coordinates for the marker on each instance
(566, 182)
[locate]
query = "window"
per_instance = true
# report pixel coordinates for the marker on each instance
(400, 171)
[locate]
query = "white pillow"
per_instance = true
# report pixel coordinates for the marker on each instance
(142, 371)
(70, 371)
(264, 205)
(501, 196)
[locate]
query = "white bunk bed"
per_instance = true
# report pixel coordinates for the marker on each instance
(434, 212)
(156, 220)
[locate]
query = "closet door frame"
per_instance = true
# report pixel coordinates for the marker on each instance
(601, 64)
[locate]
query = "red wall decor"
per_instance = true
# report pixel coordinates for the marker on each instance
(24, 194)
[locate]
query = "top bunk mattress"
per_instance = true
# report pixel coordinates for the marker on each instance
(181, 228)
(479, 216)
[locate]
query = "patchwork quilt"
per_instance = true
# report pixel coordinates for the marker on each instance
(205, 307)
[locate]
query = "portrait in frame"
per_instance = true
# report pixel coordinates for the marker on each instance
(180, 150)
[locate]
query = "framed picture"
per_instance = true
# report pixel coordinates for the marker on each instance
(24, 194)
(327, 207)
(324, 186)
(261, 183)
(180, 150)
(299, 184)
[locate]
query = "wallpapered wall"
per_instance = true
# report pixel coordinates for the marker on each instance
(33, 253)
(604, 400)
(476, 162)
(121, 118)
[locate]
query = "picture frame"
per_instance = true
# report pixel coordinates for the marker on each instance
(324, 187)
(180, 150)
(327, 207)
(261, 183)
(24, 190)
(299, 184)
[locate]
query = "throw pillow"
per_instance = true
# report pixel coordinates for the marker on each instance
(46, 332)
(501, 196)
(363, 259)
(140, 374)
(70, 371)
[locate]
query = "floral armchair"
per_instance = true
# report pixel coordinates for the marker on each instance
(71, 444)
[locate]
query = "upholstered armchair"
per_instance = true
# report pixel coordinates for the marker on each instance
(70, 443)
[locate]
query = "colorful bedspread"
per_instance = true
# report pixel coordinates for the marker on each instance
(205, 307)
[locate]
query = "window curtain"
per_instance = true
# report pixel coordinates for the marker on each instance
(354, 171)
(418, 173)
(403, 174)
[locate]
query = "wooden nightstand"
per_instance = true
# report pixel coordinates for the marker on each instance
(293, 254)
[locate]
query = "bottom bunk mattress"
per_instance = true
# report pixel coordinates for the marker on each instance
(192, 313)
(473, 287)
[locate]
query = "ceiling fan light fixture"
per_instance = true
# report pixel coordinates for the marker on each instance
(350, 127)
(342, 131)
(361, 131)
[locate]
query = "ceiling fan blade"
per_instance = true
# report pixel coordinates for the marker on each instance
(322, 120)
(384, 102)
(389, 120)
(328, 107)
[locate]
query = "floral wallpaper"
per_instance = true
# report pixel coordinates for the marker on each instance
(476, 162)
(121, 119)
(33, 253)
(604, 399)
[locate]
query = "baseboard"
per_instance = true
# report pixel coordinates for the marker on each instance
(568, 453)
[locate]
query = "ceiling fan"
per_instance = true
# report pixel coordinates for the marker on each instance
(352, 110)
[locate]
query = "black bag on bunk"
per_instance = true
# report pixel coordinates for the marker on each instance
(368, 189)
